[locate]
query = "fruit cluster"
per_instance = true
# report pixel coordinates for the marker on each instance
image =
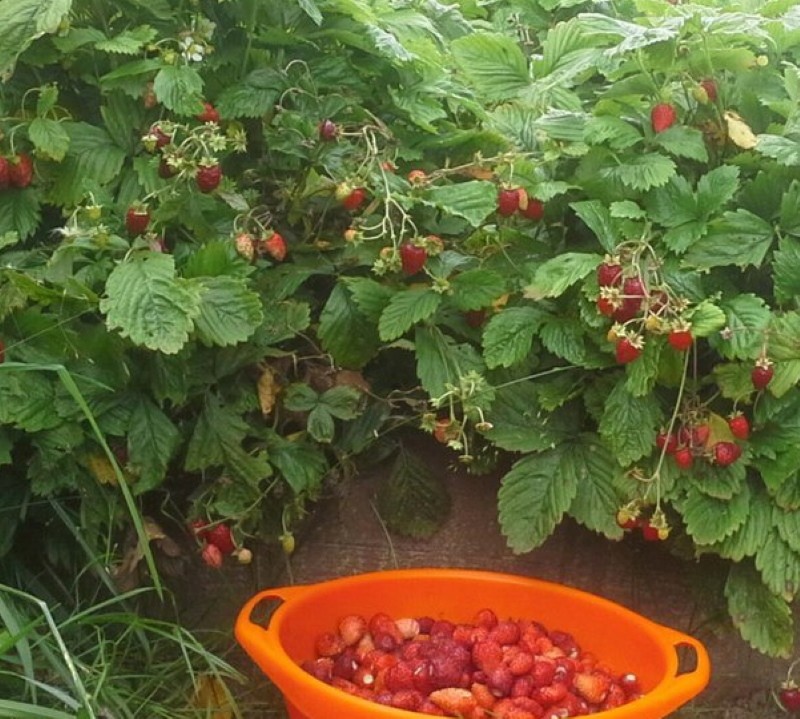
(16, 171)
(504, 669)
(638, 302)
(695, 440)
(511, 200)
(217, 542)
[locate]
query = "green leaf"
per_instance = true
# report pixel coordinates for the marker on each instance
(784, 347)
(413, 501)
(302, 464)
(565, 338)
(152, 441)
(508, 336)
(763, 619)
(597, 500)
(628, 210)
(779, 565)
(707, 319)
(674, 204)
(180, 89)
(371, 297)
(147, 303)
(441, 361)
(49, 138)
(476, 289)
(20, 213)
(597, 218)
(533, 498)
(229, 312)
(786, 269)
(311, 9)
(254, 97)
(405, 309)
(782, 149)
(26, 400)
(284, 321)
(750, 537)
(6, 445)
(300, 397)
(629, 424)
(216, 442)
(474, 200)
(321, 426)
(612, 131)
(748, 318)
(342, 402)
(719, 482)
(642, 172)
(739, 238)
(22, 22)
(493, 64)
(790, 210)
(553, 277)
(716, 188)
(709, 520)
(683, 141)
(349, 336)
(643, 373)
(520, 424)
(733, 380)
(128, 42)
(788, 526)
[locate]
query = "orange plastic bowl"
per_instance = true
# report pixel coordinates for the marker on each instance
(622, 639)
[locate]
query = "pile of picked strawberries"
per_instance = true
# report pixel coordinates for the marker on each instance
(491, 668)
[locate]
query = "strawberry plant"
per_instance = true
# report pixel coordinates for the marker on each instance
(571, 235)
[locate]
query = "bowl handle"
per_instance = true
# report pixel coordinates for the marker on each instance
(257, 640)
(683, 687)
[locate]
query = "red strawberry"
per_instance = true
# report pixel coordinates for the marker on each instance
(208, 177)
(220, 536)
(212, 556)
(2, 351)
(630, 684)
(762, 373)
(20, 170)
(274, 246)
(683, 458)
(627, 519)
(329, 644)
(417, 177)
(162, 139)
(5, 175)
(726, 453)
(165, 170)
(699, 435)
(507, 201)
(680, 339)
(352, 628)
(628, 350)
(534, 210)
(136, 220)
(327, 130)
(355, 199)
(609, 274)
(789, 697)
(739, 426)
(653, 534)
(209, 113)
(670, 441)
(663, 116)
(710, 86)
(606, 306)
(475, 318)
(634, 288)
(412, 258)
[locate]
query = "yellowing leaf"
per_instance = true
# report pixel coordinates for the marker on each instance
(211, 694)
(267, 390)
(101, 469)
(739, 131)
(719, 431)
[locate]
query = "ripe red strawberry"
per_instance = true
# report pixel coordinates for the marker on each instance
(663, 116)
(634, 288)
(710, 86)
(136, 220)
(327, 130)
(20, 170)
(534, 210)
(606, 306)
(355, 199)
(352, 628)
(274, 246)
(762, 373)
(329, 644)
(412, 258)
(165, 170)
(475, 318)
(2, 351)
(4, 174)
(507, 201)
(739, 426)
(680, 339)
(683, 458)
(609, 274)
(209, 113)
(208, 177)
(212, 556)
(653, 534)
(162, 139)
(221, 537)
(628, 350)
(726, 453)
(668, 441)
(699, 435)
(789, 697)
(630, 684)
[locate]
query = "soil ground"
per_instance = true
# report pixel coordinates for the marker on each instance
(347, 536)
